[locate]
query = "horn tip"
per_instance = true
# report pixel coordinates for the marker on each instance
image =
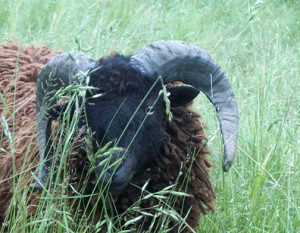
(227, 165)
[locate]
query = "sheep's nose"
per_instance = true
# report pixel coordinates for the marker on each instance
(116, 173)
(114, 181)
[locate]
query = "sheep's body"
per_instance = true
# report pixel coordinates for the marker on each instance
(183, 136)
(19, 69)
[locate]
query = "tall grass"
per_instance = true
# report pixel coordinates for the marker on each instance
(256, 42)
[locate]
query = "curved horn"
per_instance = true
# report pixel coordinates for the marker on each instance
(57, 73)
(178, 61)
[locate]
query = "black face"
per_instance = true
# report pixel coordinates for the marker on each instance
(131, 113)
(131, 125)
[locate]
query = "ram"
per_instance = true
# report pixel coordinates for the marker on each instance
(137, 105)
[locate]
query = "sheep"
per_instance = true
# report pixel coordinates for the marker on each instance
(160, 154)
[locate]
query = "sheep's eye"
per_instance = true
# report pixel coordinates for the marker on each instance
(150, 110)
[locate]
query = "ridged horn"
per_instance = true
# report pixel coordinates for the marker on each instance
(178, 61)
(59, 72)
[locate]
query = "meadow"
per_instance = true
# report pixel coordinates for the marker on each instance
(257, 43)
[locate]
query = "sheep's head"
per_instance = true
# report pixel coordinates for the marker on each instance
(130, 111)
(127, 104)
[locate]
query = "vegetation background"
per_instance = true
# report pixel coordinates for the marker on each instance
(257, 42)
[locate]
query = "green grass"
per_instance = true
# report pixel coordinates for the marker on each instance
(256, 42)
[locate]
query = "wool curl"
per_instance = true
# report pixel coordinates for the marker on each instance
(182, 160)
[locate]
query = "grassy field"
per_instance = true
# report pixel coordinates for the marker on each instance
(257, 43)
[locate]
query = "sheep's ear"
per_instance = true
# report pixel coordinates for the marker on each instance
(182, 95)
